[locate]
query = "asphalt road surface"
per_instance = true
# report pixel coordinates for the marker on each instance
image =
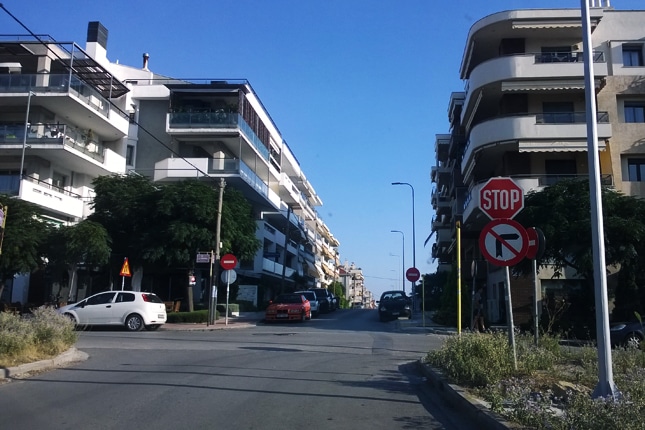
(343, 370)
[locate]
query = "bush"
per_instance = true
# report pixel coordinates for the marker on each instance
(195, 317)
(43, 334)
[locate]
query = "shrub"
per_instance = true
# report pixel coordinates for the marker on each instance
(43, 334)
(190, 317)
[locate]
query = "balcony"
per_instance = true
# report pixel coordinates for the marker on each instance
(532, 71)
(52, 136)
(43, 194)
(190, 123)
(542, 132)
(86, 105)
(186, 168)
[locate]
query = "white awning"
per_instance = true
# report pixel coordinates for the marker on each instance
(547, 24)
(545, 85)
(554, 146)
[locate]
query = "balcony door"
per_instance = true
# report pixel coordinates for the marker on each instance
(558, 112)
(556, 170)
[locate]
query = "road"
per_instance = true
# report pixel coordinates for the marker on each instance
(343, 370)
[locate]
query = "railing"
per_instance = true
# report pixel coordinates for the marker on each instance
(569, 117)
(64, 84)
(55, 135)
(217, 119)
(10, 184)
(567, 57)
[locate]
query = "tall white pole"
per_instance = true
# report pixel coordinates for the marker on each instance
(24, 141)
(403, 258)
(606, 386)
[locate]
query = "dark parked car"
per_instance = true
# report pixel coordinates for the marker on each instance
(393, 305)
(324, 299)
(627, 334)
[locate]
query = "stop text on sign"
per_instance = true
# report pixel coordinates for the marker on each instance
(501, 198)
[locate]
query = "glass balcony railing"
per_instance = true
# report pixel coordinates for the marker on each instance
(217, 119)
(63, 84)
(39, 134)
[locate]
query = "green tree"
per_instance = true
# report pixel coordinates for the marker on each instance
(164, 225)
(84, 243)
(562, 211)
(25, 232)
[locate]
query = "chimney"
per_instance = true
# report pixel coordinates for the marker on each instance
(145, 60)
(96, 44)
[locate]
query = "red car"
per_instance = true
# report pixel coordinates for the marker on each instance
(287, 307)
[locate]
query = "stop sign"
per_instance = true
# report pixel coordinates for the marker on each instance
(501, 198)
(412, 274)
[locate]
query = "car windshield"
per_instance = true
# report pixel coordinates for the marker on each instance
(288, 298)
(393, 295)
(308, 295)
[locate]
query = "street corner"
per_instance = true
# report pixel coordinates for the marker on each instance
(68, 357)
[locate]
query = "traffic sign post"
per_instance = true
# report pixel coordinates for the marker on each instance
(501, 198)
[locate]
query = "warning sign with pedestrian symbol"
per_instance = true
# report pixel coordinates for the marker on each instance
(504, 242)
(125, 269)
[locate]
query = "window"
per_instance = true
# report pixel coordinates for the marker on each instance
(636, 169)
(633, 55)
(129, 155)
(125, 297)
(634, 112)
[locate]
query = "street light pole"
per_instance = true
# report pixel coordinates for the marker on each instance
(414, 247)
(24, 141)
(403, 252)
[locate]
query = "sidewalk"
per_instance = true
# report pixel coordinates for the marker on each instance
(244, 320)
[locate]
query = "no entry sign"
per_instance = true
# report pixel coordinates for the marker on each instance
(228, 261)
(501, 198)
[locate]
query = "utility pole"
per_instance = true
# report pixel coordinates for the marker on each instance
(215, 271)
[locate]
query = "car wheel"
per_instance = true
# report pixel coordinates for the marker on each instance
(153, 327)
(134, 323)
(381, 317)
(633, 340)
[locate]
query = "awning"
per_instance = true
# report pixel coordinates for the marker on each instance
(554, 146)
(545, 85)
(575, 23)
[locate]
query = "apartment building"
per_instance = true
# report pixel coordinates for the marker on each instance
(353, 282)
(86, 116)
(522, 115)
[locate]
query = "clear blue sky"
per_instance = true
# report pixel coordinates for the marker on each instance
(358, 89)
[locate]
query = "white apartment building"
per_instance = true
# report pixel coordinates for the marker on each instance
(522, 115)
(87, 116)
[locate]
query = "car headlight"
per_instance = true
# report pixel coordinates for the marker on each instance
(407, 307)
(382, 309)
(618, 327)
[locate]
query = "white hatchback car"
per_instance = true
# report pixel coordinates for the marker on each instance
(313, 301)
(132, 309)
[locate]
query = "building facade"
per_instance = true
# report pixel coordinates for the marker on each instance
(69, 115)
(522, 115)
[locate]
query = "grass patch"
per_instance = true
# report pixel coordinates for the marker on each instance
(40, 335)
(553, 384)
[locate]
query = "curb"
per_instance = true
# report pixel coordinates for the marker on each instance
(476, 409)
(70, 356)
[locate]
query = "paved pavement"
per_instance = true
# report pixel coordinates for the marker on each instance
(453, 394)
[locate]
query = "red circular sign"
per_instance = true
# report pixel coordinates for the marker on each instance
(228, 261)
(412, 274)
(504, 242)
(501, 198)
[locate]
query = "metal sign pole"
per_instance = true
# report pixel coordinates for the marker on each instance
(509, 310)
